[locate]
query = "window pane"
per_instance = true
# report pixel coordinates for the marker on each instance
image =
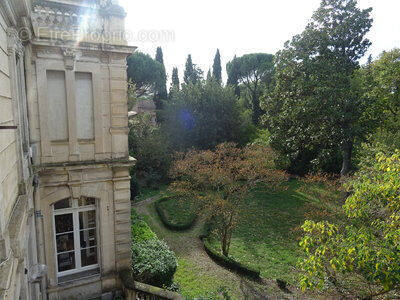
(84, 105)
(57, 101)
(86, 201)
(66, 203)
(65, 242)
(87, 219)
(89, 256)
(66, 261)
(88, 238)
(64, 223)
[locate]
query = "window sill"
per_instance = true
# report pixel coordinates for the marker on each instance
(77, 278)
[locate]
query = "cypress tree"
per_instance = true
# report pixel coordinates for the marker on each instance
(188, 74)
(161, 86)
(209, 76)
(217, 69)
(175, 78)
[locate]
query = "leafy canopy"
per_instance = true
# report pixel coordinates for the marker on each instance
(145, 73)
(253, 71)
(218, 181)
(316, 104)
(360, 257)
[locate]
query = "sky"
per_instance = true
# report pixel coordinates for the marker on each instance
(236, 27)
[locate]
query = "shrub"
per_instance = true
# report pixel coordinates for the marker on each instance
(140, 230)
(153, 262)
(361, 257)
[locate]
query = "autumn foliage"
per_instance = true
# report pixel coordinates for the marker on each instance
(218, 181)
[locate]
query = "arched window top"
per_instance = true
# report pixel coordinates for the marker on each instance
(74, 203)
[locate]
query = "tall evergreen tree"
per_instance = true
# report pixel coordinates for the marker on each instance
(175, 78)
(161, 87)
(187, 75)
(217, 69)
(192, 73)
(316, 106)
(209, 76)
(159, 56)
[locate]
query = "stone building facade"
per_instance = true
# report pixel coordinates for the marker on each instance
(64, 164)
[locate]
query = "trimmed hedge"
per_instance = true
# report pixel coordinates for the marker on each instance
(224, 261)
(167, 223)
(230, 263)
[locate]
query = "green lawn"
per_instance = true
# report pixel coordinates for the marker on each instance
(147, 192)
(177, 210)
(267, 236)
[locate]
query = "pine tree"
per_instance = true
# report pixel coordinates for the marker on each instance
(192, 73)
(209, 76)
(217, 70)
(161, 86)
(160, 56)
(175, 78)
(188, 74)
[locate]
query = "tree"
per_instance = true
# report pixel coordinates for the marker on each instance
(360, 257)
(381, 83)
(209, 76)
(233, 76)
(192, 73)
(219, 180)
(316, 103)
(161, 86)
(151, 149)
(253, 71)
(145, 73)
(217, 69)
(202, 115)
(175, 78)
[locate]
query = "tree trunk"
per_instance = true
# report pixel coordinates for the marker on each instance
(347, 150)
(224, 244)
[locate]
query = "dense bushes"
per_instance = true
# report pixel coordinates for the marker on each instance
(185, 222)
(203, 115)
(149, 146)
(152, 260)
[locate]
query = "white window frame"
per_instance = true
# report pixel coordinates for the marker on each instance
(75, 209)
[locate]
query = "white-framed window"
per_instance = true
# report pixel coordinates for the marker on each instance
(76, 238)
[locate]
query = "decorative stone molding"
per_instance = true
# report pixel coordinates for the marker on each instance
(70, 56)
(14, 42)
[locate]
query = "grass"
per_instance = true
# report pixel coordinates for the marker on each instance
(147, 192)
(194, 284)
(267, 236)
(177, 211)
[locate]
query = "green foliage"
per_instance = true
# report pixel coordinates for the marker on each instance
(229, 262)
(254, 71)
(153, 262)
(202, 116)
(381, 80)
(140, 230)
(316, 103)
(150, 147)
(145, 73)
(192, 74)
(361, 257)
(176, 214)
(217, 69)
(160, 86)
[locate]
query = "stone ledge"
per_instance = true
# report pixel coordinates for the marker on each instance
(117, 162)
